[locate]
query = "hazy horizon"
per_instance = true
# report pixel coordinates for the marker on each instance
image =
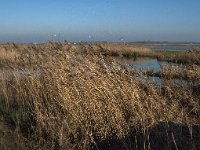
(107, 20)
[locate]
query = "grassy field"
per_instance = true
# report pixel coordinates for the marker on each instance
(62, 96)
(185, 57)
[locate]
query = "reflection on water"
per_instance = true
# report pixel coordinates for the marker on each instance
(151, 64)
(146, 64)
(143, 64)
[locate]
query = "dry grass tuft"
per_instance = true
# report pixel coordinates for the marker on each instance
(185, 57)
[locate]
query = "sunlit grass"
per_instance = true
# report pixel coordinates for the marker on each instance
(78, 100)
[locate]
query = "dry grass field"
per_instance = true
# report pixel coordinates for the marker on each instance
(7, 54)
(62, 96)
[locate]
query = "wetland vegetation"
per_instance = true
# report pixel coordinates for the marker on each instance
(85, 96)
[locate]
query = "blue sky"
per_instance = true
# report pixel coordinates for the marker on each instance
(76, 20)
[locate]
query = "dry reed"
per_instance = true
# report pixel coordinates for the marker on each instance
(78, 100)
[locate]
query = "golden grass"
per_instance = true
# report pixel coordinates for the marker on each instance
(131, 51)
(190, 72)
(124, 47)
(185, 57)
(78, 100)
(7, 54)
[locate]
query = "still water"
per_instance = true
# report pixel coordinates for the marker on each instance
(145, 64)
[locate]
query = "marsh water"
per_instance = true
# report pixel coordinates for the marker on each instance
(146, 64)
(143, 64)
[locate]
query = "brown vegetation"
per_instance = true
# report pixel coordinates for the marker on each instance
(185, 57)
(7, 54)
(190, 73)
(78, 100)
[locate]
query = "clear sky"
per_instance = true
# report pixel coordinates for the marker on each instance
(76, 20)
